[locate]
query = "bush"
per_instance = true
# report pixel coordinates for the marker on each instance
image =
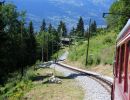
(80, 42)
(108, 40)
(98, 60)
(16, 87)
(15, 92)
(90, 60)
(30, 74)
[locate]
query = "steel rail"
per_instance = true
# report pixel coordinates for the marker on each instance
(94, 75)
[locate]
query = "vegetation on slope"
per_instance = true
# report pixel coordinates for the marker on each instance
(34, 85)
(16, 87)
(101, 50)
(43, 90)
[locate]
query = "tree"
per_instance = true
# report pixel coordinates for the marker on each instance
(31, 44)
(115, 20)
(87, 33)
(50, 28)
(62, 30)
(3, 46)
(72, 32)
(80, 27)
(31, 29)
(93, 27)
(17, 43)
(43, 26)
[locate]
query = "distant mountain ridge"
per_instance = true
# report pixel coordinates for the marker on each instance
(67, 10)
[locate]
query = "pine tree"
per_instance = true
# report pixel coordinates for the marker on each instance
(17, 43)
(31, 44)
(43, 27)
(31, 29)
(62, 30)
(3, 47)
(80, 27)
(59, 29)
(50, 28)
(72, 32)
(93, 27)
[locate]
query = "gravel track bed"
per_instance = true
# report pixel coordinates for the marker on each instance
(93, 90)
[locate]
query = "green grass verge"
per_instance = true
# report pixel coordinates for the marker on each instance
(68, 90)
(101, 49)
(16, 86)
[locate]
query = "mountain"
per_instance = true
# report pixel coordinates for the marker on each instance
(67, 10)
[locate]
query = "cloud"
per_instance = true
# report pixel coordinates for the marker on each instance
(76, 3)
(104, 3)
(98, 1)
(33, 17)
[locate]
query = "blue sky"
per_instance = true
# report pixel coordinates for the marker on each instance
(67, 10)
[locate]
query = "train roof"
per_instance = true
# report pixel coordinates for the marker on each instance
(124, 30)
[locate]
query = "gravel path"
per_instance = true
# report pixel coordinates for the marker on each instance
(93, 90)
(64, 56)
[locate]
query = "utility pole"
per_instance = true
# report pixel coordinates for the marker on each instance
(88, 42)
(21, 50)
(57, 51)
(47, 46)
(52, 45)
(42, 49)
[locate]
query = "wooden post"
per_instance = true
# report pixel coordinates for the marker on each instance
(88, 42)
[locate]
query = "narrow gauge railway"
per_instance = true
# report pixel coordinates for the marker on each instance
(97, 86)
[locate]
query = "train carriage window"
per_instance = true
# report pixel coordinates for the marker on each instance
(121, 74)
(117, 61)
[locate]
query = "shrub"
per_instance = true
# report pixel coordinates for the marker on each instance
(98, 60)
(90, 60)
(80, 42)
(30, 74)
(108, 40)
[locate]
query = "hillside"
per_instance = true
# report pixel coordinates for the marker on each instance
(101, 53)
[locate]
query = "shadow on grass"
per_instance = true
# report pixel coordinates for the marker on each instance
(39, 78)
(71, 76)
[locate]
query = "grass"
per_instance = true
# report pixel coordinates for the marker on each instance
(101, 49)
(101, 52)
(33, 86)
(31, 83)
(68, 90)
(16, 86)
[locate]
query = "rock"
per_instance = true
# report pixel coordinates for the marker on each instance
(54, 79)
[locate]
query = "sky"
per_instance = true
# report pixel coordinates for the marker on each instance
(67, 10)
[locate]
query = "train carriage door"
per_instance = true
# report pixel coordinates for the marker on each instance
(128, 82)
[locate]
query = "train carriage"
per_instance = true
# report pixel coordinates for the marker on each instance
(121, 86)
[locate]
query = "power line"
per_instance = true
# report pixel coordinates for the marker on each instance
(119, 14)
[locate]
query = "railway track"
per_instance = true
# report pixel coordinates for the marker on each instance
(104, 81)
